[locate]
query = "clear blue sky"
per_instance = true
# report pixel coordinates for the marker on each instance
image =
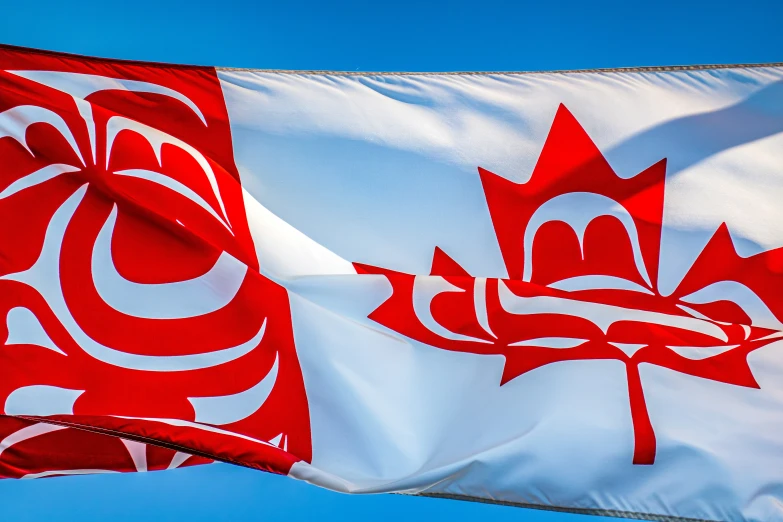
(355, 36)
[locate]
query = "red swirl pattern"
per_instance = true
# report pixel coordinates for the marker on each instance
(129, 281)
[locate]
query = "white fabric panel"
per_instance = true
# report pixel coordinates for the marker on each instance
(381, 169)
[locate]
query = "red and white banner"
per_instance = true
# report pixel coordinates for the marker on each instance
(558, 290)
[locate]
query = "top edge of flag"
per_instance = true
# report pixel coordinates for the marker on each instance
(644, 69)
(631, 69)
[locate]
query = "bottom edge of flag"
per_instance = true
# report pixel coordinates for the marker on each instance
(579, 511)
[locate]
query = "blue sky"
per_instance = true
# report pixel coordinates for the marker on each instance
(355, 36)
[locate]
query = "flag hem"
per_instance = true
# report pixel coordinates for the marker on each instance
(139, 438)
(641, 69)
(633, 515)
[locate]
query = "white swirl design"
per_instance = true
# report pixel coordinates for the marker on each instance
(44, 276)
(175, 300)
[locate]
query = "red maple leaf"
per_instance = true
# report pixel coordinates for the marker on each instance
(581, 247)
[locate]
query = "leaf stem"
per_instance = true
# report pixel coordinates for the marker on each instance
(644, 436)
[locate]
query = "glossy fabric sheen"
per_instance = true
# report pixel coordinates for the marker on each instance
(554, 289)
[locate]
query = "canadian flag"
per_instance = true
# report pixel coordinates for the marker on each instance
(552, 290)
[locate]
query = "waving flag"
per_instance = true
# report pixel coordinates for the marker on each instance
(554, 290)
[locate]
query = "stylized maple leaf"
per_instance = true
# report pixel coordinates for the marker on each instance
(581, 247)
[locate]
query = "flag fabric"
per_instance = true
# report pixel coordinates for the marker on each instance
(554, 290)
(31, 449)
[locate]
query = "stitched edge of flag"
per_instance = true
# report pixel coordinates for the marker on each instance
(140, 438)
(643, 69)
(646, 69)
(633, 515)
